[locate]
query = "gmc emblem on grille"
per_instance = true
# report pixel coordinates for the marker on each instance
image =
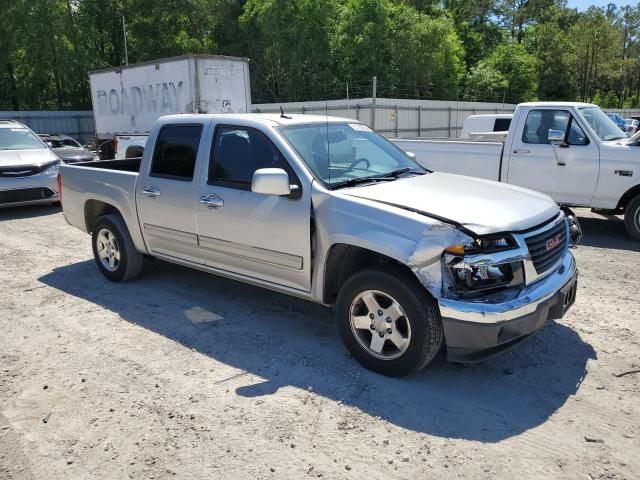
(554, 242)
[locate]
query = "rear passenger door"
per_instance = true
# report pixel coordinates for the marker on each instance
(567, 171)
(265, 237)
(167, 192)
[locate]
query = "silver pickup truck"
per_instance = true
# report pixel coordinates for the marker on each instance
(327, 210)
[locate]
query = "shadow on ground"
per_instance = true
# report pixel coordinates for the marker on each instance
(33, 211)
(290, 342)
(607, 231)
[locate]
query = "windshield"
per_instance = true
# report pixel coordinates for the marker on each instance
(339, 152)
(601, 124)
(62, 143)
(19, 138)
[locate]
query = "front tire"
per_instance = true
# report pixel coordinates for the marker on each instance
(388, 321)
(632, 218)
(113, 249)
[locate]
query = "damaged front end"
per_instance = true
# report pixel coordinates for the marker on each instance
(453, 263)
(495, 290)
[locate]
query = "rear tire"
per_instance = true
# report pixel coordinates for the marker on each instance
(388, 321)
(632, 218)
(113, 250)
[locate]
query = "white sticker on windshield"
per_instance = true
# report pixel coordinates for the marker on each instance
(19, 130)
(359, 127)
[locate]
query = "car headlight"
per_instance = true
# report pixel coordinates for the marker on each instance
(487, 263)
(52, 169)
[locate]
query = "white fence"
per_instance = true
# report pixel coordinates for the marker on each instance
(405, 118)
(397, 117)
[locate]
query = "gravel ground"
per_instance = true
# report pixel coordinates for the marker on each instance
(185, 375)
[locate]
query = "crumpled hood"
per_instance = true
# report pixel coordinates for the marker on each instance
(26, 158)
(482, 206)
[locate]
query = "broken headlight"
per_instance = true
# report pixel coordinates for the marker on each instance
(485, 264)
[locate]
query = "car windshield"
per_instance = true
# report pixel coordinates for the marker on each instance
(602, 125)
(344, 153)
(19, 138)
(64, 143)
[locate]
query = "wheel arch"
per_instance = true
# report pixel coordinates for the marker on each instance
(629, 195)
(343, 260)
(94, 209)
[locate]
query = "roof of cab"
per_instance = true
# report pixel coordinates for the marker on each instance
(557, 104)
(271, 119)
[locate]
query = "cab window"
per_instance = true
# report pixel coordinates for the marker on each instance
(174, 156)
(238, 152)
(539, 122)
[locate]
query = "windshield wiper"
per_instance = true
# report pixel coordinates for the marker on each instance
(397, 173)
(356, 181)
(384, 177)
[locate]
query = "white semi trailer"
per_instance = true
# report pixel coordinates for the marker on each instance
(128, 100)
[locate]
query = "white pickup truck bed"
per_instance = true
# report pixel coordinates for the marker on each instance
(475, 159)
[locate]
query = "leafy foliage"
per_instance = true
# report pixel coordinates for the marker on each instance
(508, 50)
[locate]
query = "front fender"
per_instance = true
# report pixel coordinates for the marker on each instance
(407, 237)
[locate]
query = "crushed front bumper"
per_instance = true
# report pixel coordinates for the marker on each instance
(475, 330)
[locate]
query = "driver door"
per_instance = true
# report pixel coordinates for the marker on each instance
(567, 170)
(266, 237)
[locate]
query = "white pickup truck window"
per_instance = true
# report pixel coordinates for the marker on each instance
(539, 122)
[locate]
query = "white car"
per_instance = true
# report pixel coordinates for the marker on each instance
(28, 167)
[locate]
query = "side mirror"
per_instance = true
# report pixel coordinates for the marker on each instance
(555, 136)
(411, 155)
(271, 181)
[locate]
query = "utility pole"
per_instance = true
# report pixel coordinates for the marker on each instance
(124, 32)
(373, 103)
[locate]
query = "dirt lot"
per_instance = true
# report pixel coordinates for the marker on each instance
(182, 374)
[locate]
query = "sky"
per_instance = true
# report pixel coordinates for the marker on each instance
(582, 5)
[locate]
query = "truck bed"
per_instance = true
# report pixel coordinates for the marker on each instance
(126, 165)
(462, 157)
(86, 185)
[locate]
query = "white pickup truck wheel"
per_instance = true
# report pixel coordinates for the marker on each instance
(632, 218)
(388, 321)
(114, 251)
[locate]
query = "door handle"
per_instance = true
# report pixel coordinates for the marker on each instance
(212, 201)
(520, 151)
(151, 191)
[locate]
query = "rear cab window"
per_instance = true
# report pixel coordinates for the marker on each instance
(175, 152)
(501, 124)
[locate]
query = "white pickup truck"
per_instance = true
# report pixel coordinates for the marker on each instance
(328, 210)
(570, 151)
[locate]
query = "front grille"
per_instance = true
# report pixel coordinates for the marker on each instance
(547, 247)
(25, 195)
(28, 171)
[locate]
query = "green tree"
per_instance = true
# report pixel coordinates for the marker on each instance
(408, 51)
(509, 72)
(288, 43)
(550, 43)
